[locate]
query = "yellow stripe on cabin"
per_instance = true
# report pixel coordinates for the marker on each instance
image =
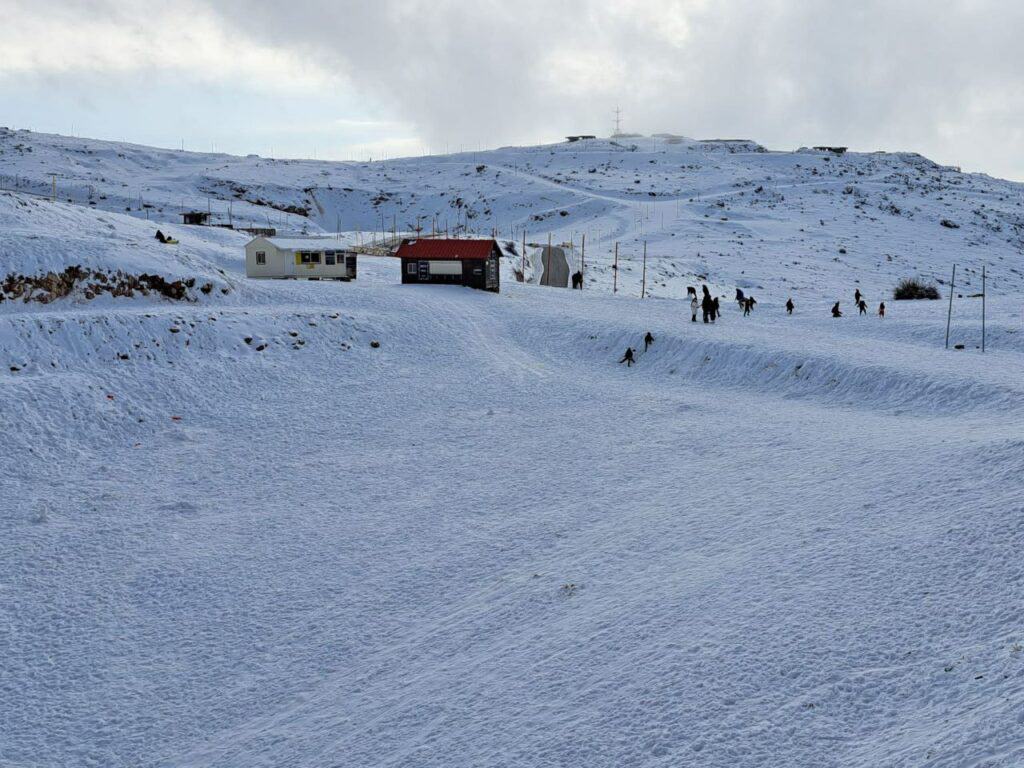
(298, 258)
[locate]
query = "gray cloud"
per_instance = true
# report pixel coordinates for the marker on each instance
(875, 74)
(943, 79)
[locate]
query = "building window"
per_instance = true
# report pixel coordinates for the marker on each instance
(261, 257)
(309, 257)
(410, 268)
(329, 259)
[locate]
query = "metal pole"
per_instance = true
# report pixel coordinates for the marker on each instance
(643, 280)
(545, 266)
(583, 257)
(615, 271)
(524, 255)
(949, 314)
(983, 308)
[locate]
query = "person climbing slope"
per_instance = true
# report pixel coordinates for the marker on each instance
(694, 308)
(835, 310)
(881, 309)
(648, 340)
(863, 307)
(748, 305)
(790, 306)
(628, 357)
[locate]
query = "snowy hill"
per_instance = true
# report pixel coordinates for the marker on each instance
(809, 222)
(236, 532)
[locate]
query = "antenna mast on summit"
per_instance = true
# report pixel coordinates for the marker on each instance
(618, 121)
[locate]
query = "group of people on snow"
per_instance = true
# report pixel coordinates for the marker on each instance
(861, 303)
(708, 307)
(630, 357)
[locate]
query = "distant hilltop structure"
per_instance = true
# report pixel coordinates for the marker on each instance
(833, 150)
(618, 132)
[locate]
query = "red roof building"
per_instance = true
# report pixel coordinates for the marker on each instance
(473, 263)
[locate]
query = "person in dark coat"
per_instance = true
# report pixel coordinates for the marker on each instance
(748, 304)
(577, 280)
(740, 298)
(691, 291)
(717, 310)
(881, 309)
(856, 298)
(790, 306)
(628, 357)
(160, 236)
(863, 307)
(835, 310)
(707, 305)
(648, 340)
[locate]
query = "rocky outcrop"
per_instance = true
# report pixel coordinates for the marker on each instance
(90, 283)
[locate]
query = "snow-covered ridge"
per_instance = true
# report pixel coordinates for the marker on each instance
(807, 222)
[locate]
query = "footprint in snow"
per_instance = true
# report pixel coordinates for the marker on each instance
(180, 508)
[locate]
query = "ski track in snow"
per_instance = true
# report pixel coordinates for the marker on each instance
(775, 541)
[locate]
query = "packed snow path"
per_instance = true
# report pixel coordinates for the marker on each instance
(485, 543)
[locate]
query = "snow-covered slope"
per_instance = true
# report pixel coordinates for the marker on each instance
(234, 532)
(808, 223)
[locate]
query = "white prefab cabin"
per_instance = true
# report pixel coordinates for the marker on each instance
(316, 258)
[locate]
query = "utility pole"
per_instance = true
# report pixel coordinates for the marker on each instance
(618, 121)
(547, 253)
(643, 279)
(615, 271)
(524, 254)
(583, 257)
(949, 314)
(983, 308)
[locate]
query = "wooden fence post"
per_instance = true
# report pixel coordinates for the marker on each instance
(949, 314)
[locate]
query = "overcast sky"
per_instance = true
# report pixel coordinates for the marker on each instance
(344, 80)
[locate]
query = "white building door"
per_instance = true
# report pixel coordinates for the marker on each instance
(287, 261)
